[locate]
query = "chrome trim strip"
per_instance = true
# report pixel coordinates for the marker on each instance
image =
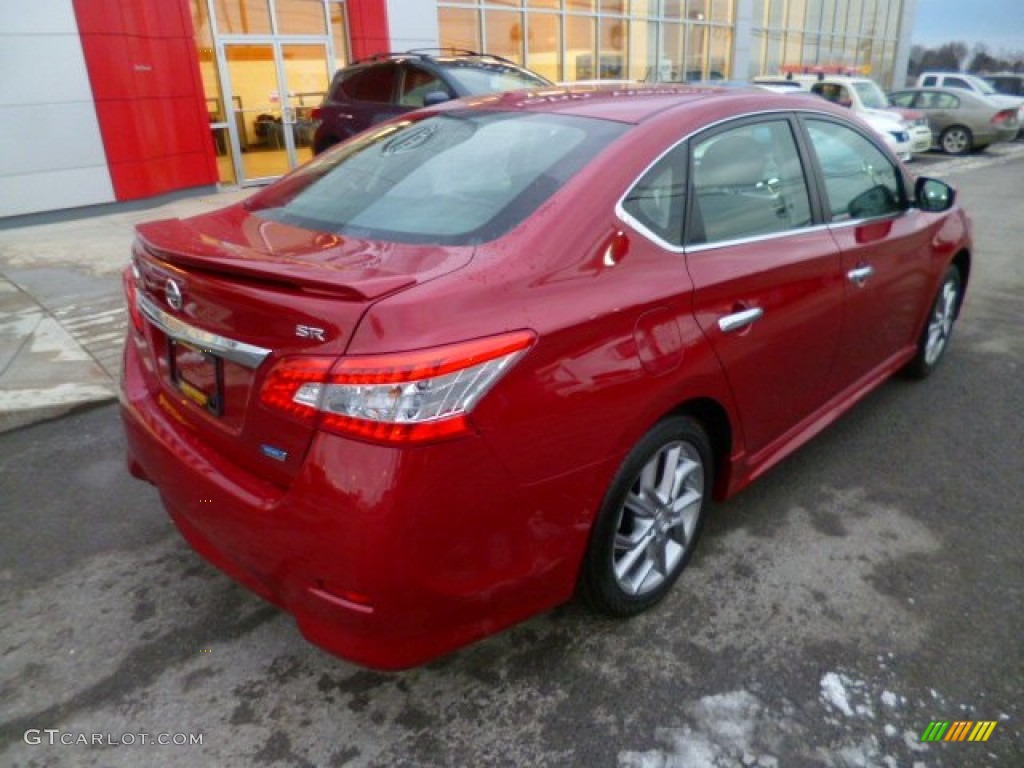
(846, 223)
(625, 217)
(248, 355)
(756, 238)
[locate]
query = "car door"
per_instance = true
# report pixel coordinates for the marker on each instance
(884, 246)
(768, 293)
(940, 107)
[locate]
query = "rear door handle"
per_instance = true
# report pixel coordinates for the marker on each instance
(739, 320)
(860, 275)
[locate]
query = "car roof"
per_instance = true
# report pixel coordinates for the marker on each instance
(635, 103)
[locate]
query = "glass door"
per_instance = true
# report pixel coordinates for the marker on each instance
(273, 87)
(307, 76)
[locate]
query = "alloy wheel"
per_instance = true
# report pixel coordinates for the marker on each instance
(658, 519)
(941, 324)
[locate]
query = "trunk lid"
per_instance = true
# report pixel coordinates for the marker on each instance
(226, 295)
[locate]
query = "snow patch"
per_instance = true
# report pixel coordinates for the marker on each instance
(723, 732)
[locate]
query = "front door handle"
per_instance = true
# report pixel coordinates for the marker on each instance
(739, 320)
(860, 275)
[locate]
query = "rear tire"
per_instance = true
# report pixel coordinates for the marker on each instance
(650, 520)
(956, 140)
(931, 347)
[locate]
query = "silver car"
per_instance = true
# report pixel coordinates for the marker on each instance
(961, 121)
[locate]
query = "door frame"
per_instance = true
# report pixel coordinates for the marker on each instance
(276, 43)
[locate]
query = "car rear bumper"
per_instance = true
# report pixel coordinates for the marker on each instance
(386, 557)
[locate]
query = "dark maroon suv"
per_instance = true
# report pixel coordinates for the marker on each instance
(385, 85)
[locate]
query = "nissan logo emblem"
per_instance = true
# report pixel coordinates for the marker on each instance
(173, 294)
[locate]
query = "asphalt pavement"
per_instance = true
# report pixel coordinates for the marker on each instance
(870, 585)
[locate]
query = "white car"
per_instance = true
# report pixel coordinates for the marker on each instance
(889, 125)
(896, 133)
(863, 96)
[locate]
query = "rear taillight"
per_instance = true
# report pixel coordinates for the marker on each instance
(404, 397)
(130, 278)
(316, 113)
(1004, 117)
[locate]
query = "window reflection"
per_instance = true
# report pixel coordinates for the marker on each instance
(300, 17)
(242, 17)
(544, 45)
(460, 28)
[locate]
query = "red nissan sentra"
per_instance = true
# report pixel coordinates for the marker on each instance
(498, 352)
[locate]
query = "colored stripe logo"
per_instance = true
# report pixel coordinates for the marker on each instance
(960, 730)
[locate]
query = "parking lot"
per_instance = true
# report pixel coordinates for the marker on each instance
(869, 585)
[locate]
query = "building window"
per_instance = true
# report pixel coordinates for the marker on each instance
(571, 40)
(243, 17)
(855, 36)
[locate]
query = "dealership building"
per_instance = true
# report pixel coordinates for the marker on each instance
(106, 101)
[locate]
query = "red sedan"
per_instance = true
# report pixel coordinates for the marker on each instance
(495, 353)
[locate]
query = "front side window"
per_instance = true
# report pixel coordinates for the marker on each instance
(453, 178)
(748, 181)
(860, 181)
(416, 84)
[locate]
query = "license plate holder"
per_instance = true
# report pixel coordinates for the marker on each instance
(198, 374)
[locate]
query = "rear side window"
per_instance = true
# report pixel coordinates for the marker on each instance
(374, 83)
(930, 81)
(454, 178)
(957, 82)
(656, 202)
(860, 182)
(748, 181)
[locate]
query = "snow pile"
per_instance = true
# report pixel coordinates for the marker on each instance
(841, 693)
(724, 733)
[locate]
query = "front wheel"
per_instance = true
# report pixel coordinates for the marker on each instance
(650, 520)
(956, 140)
(935, 337)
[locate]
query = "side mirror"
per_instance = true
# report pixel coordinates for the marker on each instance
(933, 195)
(435, 97)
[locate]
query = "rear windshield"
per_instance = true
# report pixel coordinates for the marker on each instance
(478, 77)
(454, 178)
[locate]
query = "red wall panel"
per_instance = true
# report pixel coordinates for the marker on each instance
(149, 98)
(368, 27)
